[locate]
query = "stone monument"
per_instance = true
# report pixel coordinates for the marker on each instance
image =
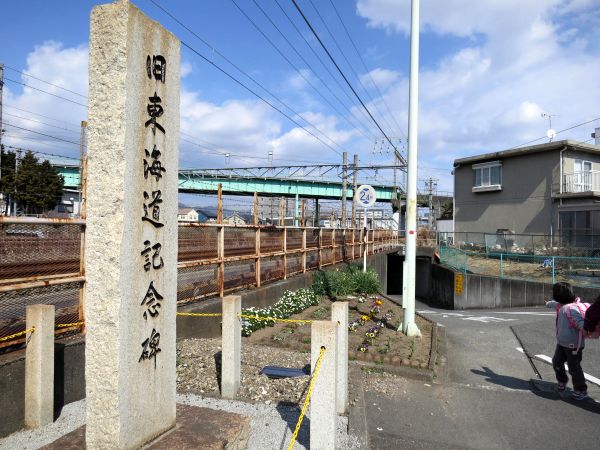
(131, 236)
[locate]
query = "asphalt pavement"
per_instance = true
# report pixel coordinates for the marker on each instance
(497, 391)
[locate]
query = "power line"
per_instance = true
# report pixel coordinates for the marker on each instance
(244, 73)
(46, 92)
(41, 153)
(367, 70)
(346, 79)
(44, 81)
(348, 62)
(257, 95)
(558, 132)
(333, 77)
(289, 62)
(37, 114)
(40, 122)
(43, 134)
(353, 125)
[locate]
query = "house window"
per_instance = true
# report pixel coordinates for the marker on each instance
(582, 175)
(580, 228)
(487, 176)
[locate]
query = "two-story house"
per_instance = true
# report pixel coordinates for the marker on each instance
(549, 189)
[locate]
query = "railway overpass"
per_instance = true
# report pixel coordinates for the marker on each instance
(288, 181)
(207, 182)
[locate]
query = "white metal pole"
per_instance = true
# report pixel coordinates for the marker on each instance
(409, 327)
(365, 235)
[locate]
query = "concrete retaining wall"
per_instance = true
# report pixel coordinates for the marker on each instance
(480, 292)
(69, 354)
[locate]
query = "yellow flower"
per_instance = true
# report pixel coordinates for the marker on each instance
(365, 318)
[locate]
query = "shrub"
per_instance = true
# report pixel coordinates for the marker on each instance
(336, 283)
(366, 282)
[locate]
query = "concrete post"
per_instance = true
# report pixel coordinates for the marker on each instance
(339, 315)
(39, 366)
(231, 346)
(323, 404)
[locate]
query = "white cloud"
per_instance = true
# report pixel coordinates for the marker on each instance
(65, 67)
(382, 78)
(247, 129)
(519, 59)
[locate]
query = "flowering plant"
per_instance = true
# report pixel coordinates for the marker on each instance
(353, 326)
(289, 304)
(363, 347)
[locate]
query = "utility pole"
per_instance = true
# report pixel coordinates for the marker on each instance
(1, 124)
(354, 176)
(82, 140)
(409, 327)
(344, 187)
(17, 158)
(431, 186)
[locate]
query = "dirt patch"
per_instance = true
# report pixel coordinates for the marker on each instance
(288, 345)
(389, 346)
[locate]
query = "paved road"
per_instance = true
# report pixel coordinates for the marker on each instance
(492, 396)
(532, 331)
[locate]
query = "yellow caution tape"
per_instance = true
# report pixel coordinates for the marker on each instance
(200, 314)
(275, 319)
(307, 399)
(20, 333)
(67, 325)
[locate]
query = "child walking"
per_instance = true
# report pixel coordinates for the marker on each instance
(570, 340)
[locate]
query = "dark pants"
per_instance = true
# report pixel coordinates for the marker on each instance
(562, 355)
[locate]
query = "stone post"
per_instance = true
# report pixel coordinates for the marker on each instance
(231, 346)
(131, 230)
(339, 314)
(323, 405)
(39, 366)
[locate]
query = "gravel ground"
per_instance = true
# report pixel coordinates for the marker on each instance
(198, 360)
(272, 426)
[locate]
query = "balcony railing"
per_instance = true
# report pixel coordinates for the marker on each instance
(581, 182)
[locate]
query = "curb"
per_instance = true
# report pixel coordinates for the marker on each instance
(357, 413)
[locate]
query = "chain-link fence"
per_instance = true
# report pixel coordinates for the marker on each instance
(525, 244)
(40, 261)
(578, 270)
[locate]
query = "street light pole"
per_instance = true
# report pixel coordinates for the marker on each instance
(409, 327)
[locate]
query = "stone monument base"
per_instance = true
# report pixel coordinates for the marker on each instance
(196, 428)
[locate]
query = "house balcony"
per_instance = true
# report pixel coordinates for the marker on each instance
(581, 184)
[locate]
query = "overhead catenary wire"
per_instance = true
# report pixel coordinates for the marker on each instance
(45, 92)
(315, 73)
(278, 50)
(37, 114)
(344, 77)
(44, 81)
(349, 64)
(323, 64)
(43, 134)
(252, 91)
(367, 70)
(39, 121)
(219, 68)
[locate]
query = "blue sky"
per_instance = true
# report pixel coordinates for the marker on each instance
(488, 71)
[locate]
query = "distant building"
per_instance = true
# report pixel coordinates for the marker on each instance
(187, 215)
(235, 219)
(550, 189)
